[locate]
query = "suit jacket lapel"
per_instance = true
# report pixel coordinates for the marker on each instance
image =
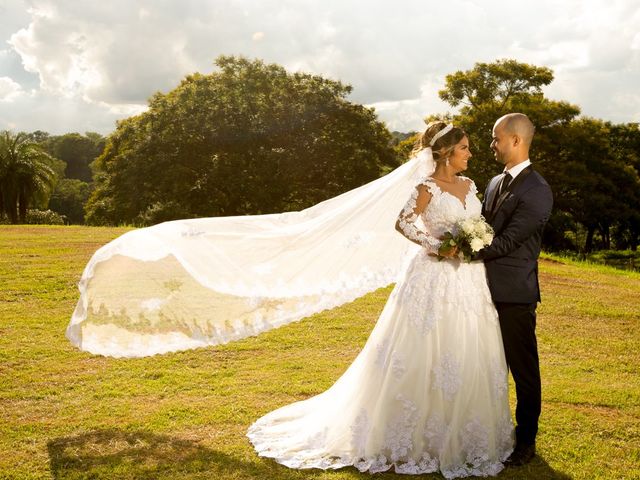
(492, 189)
(516, 181)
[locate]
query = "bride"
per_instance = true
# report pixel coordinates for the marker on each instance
(428, 392)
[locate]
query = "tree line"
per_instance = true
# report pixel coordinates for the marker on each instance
(39, 171)
(252, 138)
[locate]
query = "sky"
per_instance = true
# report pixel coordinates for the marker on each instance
(81, 65)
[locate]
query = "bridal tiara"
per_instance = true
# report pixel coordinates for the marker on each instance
(441, 133)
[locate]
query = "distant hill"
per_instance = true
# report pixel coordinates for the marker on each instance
(400, 136)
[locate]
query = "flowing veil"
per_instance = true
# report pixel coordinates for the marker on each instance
(190, 283)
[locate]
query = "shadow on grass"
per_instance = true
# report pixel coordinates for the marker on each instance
(538, 469)
(142, 455)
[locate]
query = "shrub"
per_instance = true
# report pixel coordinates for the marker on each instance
(44, 217)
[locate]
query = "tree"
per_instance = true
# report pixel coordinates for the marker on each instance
(39, 136)
(250, 138)
(404, 143)
(587, 190)
(69, 198)
(27, 175)
(494, 85)
(77, 151)
(625, 145)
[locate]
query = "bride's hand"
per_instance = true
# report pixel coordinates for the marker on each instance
(449, 253)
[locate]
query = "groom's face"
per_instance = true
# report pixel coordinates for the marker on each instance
(501, 144)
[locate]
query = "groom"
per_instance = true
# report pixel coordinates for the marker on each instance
(517, 204)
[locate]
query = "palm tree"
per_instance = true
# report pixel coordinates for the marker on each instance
(26, 179)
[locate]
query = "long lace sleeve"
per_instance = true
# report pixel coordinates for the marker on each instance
(405, 224)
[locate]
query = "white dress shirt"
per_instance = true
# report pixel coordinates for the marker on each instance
(515, 170)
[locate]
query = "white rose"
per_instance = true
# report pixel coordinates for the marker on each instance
(487, 238)
(467, 226)
(476, 244)
(480, 229)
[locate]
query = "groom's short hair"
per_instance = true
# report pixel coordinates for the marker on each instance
(518, 124)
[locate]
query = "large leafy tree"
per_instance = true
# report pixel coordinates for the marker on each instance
(249, 138)
(595, 183)
(27, 175)
(76, 154)
(625, 145)
(69, 198)
(77, 151)
(596, 190)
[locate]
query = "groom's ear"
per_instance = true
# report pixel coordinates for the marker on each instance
(516, 140)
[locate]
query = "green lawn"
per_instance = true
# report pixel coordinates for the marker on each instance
(66, 414)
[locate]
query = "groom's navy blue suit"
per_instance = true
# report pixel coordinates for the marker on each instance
(518, 216)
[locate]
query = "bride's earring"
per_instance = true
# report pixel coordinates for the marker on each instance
(447, 162)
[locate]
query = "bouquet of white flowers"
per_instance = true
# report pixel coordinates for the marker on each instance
(469, 235)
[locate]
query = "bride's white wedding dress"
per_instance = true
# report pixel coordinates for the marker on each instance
(428, 392)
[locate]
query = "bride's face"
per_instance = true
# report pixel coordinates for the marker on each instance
(460, 155)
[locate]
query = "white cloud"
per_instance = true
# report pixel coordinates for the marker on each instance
(108, 58)
(56, 114)
(9, 90)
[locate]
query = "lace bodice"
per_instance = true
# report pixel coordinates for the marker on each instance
(441, 213)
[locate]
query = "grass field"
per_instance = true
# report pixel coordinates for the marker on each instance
(66, 414)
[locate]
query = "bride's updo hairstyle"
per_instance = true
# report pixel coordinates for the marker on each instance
(444, 145)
